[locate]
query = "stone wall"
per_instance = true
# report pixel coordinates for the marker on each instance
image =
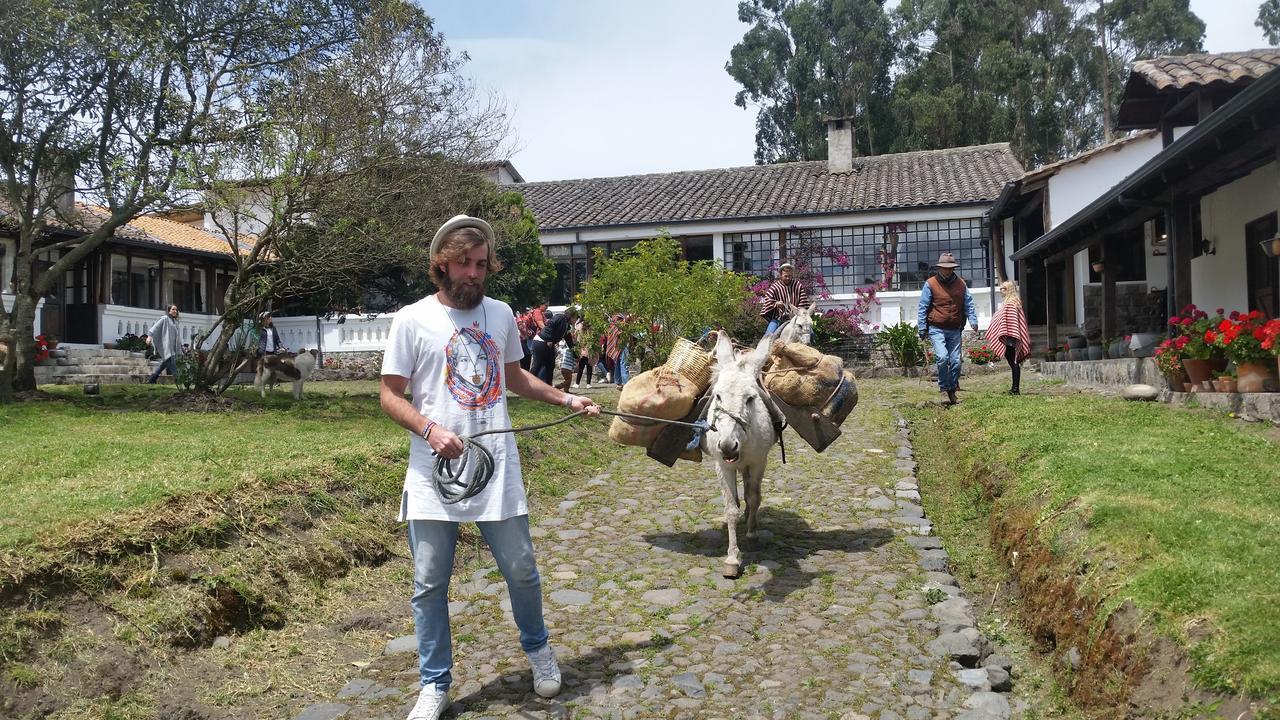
(1120, 372)
(363, 365)
(1137, 309)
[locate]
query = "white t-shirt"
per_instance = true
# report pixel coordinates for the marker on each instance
(455, 361)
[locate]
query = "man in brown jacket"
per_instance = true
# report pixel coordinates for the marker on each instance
(945, 304)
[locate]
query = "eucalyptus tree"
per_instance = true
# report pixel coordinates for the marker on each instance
(804, 60)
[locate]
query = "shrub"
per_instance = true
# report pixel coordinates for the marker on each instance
(981, 355)
(903, 343)
(130, 342)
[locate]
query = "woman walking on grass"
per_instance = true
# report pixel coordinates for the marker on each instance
(1007, 335)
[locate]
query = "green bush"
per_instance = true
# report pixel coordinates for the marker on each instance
(903, 343)
(130, 342)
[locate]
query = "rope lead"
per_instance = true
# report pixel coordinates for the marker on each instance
(473, 472)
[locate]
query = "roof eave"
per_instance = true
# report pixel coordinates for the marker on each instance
(828, 213)
(1242, 103)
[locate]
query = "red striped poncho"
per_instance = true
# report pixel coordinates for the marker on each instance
(778, 293)
(1011, 322)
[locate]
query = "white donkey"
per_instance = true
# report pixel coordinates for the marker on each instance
(799, 326)
(741, 437)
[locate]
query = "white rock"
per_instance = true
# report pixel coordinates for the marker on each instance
(1139, 391)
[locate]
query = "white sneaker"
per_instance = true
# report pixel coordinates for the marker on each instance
(431, 703)
(546, 671)
(587, 386)
(575, 386)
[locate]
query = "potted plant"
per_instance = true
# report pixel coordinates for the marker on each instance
(1168, 358)
(1197, 353)
(1271, 339)
(134, 344)
(1240, 338)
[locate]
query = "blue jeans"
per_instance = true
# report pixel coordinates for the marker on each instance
(946, 351)
(170, 364)
(773, 325)
(432, 543)
(620, 369)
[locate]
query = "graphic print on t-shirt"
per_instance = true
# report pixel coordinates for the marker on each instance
(472, 370)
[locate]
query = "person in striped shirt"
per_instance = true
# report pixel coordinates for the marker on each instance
(784, 291)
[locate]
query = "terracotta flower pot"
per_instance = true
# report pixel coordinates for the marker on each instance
(1197, 370)
(1255, 377)
(1227, 384)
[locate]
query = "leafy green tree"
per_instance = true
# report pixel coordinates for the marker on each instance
(663, 296)
(1269, 20)
(118, 101)
(527, 274)
(803, 60)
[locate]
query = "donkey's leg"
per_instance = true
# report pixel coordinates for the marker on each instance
(729, 490)
(751, 479)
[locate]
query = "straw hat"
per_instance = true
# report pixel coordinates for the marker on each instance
(461, 221)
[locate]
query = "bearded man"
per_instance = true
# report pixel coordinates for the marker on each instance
(458, 352)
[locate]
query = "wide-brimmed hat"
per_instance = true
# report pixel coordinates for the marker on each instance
(946, 260)
(461, 221)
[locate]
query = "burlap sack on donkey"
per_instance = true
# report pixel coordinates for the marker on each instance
(657, 393)
(801, 375)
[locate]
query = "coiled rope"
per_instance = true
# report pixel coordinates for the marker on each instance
(455, 484)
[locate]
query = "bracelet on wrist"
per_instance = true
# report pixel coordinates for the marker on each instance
(567, 401)
(426, 431)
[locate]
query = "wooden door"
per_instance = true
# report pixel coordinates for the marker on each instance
(1263, 270)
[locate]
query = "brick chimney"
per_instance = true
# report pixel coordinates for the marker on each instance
(840, 147)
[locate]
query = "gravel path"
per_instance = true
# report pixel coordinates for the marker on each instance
(844, 608)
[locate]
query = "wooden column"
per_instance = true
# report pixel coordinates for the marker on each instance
(160, 285)
(1178, 228)
(1109, 273)
(1052, 280)
(128, 285)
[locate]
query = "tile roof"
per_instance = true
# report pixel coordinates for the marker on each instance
(903, 180)
(1178, 72)
(1084, 157)
(150, 229)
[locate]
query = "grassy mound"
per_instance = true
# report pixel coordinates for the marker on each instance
(1114, 520)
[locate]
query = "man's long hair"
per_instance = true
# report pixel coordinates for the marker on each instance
(454, 246)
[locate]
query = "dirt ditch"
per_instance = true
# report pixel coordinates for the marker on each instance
(1109, 660)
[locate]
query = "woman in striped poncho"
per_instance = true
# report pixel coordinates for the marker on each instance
(1007, 335)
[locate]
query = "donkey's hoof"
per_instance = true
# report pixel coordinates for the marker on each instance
(731, 570)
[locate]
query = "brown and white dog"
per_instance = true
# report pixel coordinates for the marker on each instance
(296, 368)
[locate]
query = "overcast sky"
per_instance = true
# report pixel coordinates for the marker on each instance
(620, 88)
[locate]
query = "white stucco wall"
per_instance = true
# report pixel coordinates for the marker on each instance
(1079, 184)
(1219, 280)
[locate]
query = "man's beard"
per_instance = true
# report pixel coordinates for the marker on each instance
(461, 295)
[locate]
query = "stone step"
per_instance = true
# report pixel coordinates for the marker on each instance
(95, 352)
(102, 379)
(109, 368)
(101, 360)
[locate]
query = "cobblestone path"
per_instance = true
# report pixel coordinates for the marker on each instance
(835, 614)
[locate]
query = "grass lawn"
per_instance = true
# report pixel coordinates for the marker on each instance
(77, 461)
(1176, 510)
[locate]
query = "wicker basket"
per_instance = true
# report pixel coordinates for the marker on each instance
(690, 361)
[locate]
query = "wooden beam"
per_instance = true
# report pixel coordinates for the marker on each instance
(1052, 280)
(1110, 271)
(1178, 227)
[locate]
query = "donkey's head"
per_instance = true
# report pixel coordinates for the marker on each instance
(738, 407)
(800, 327)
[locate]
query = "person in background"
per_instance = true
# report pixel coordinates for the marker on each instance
(786, 290)
(163, 337)
(543, 344)
(588, 353)
(945, 304)
(269, 337)
(1008, 335)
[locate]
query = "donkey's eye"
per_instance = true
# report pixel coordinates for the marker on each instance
(751, 399)
(717, 396)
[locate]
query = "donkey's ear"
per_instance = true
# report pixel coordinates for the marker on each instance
(761, 353)
(724, 349)
(813, 306)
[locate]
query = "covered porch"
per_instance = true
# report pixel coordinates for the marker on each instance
(1206, 204)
